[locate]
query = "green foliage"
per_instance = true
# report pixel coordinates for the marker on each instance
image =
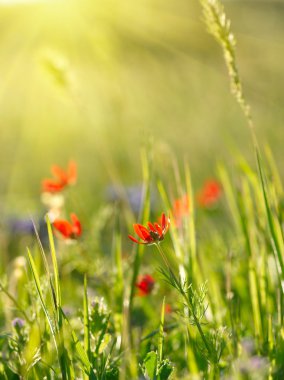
(154, 369)
(234, 296)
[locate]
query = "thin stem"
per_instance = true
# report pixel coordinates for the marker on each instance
(15, 303)
(198, 325)
(167, 264)
(188, 302)
(163, 256)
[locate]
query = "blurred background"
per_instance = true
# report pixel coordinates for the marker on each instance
(94, 80)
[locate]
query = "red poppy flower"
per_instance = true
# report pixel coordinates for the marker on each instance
(153, 234)
(69, 230)
(62, 178)
(209, 194)
(145, 285)
(180, 210)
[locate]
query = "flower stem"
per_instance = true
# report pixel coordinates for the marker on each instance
(163, 256)
(189, 303)
(198, 325)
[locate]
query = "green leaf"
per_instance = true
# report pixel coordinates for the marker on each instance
(165, 370)
(102, 333)
(104, 343)
(150, 365)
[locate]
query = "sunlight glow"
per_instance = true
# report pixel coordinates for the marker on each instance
(12, 2)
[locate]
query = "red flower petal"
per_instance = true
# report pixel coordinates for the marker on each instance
(145, 285)
(158, 229)
(59, 173)
(64, 227)
(142, 231)
(151, 227)
(163, 221)
(76, 225)
(154, 234)
(210, 193)
(135, 240)
(62, 178)
(51, 186)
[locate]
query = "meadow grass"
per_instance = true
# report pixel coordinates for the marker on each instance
(202, 297)
(222, 292)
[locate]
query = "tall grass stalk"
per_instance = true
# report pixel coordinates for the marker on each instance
(219, 26)
(87, 343)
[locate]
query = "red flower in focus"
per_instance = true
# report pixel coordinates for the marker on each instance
(180, 210)
(62, 178)
(209, 194)
(153, 234)
(145, 285)
(69, 230)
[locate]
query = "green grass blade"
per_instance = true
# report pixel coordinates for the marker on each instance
(40, 294)
(191, 222)
(82, 355)
(86, 320)
(274, 170)
(271, 222)
(46, 267)
(15, 302)
(230, 195)
(64, 357)
(161, 332)
(118, 273)
(54, 263)
(248, 219)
